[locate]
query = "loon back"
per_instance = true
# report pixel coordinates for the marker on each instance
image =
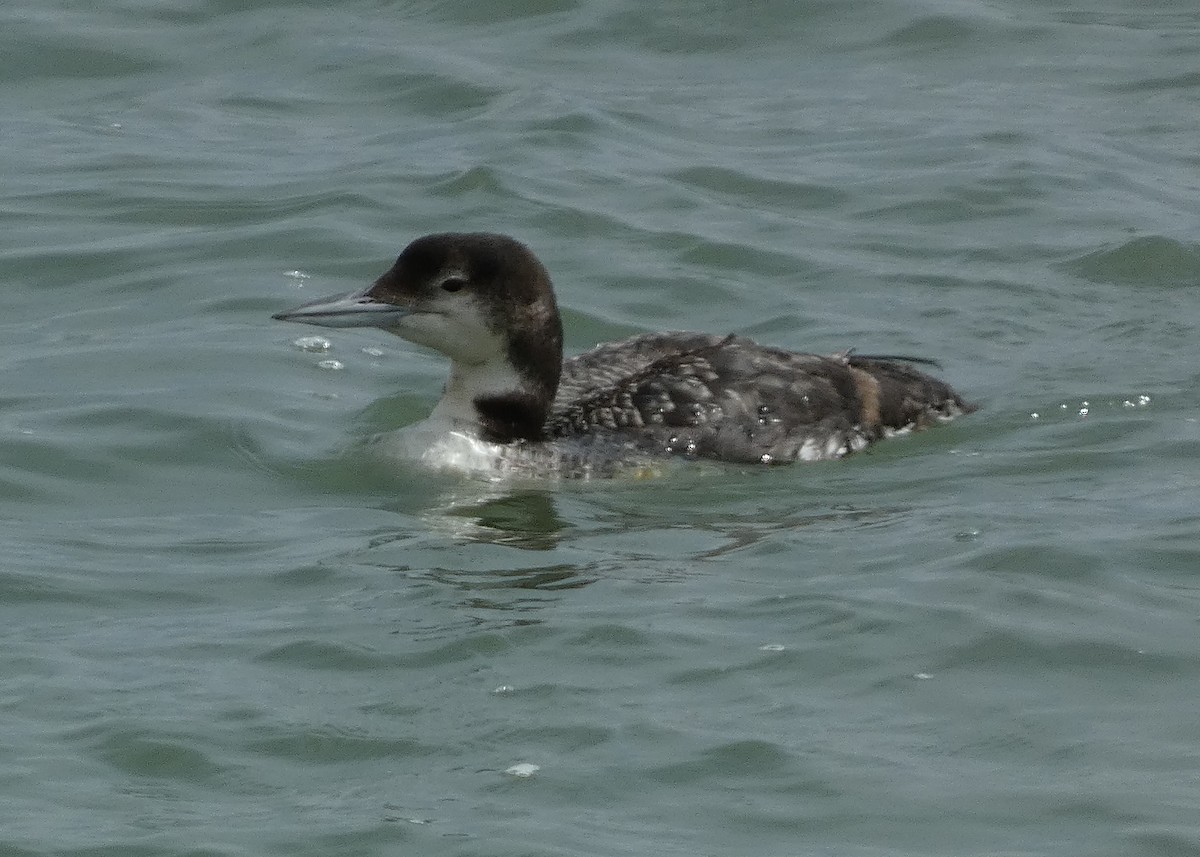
(729, 398)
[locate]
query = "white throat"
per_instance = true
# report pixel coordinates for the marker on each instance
(451, 437)
(469, 382)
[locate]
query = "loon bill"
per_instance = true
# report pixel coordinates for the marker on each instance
(486, 302)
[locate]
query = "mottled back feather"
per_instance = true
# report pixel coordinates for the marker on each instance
(729, 398)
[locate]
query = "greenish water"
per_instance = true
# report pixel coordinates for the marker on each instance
(225, 632)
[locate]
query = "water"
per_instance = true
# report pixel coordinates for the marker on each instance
(226, 633)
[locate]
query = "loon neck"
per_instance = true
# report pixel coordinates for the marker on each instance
(495, 401)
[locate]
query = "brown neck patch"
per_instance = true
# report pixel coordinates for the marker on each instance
(868, 398)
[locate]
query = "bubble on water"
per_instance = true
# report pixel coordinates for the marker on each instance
(504, 688)
(297, 275)
(772, 647)
(331, 364)
(372, 351)
(312, 343)
(523, 769)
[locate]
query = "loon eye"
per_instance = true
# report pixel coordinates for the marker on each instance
(453, 284)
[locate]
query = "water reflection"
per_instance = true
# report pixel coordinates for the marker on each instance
(521, 519)
(477, 539)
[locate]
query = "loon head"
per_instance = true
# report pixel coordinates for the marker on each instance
(483, 300)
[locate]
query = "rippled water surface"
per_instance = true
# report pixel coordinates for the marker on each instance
(227, 631)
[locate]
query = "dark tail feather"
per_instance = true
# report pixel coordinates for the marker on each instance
(853, 357)
(901, 358)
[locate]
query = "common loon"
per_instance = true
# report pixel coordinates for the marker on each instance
(486, 302)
